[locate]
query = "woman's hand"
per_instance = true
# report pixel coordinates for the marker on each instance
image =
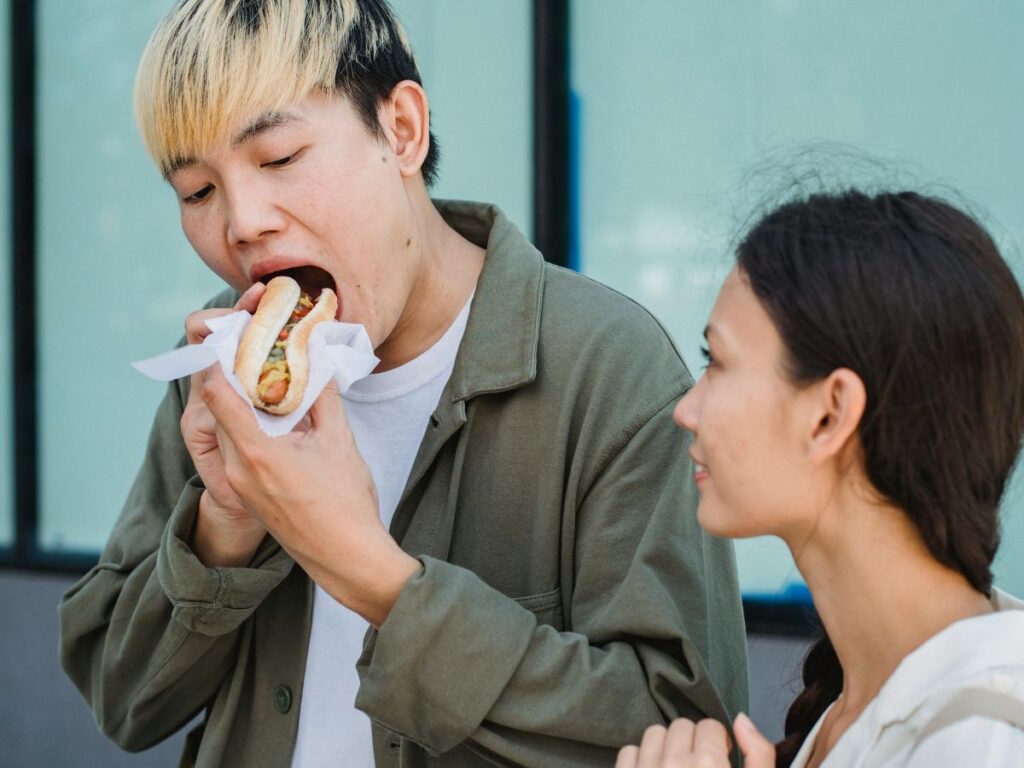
(685, 744)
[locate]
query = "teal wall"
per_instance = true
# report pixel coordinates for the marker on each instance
(678, 101)
(690, 111)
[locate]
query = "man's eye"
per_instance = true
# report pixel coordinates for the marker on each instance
(282, 161)
(202, 194)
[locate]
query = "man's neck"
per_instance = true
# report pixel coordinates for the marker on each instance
(451, 266)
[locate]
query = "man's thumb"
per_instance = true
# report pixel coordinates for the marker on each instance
(327, 407)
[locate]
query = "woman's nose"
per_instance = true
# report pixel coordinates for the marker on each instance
(687, 409)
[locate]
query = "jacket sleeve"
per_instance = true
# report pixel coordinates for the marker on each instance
(149, 633)
(655, 618)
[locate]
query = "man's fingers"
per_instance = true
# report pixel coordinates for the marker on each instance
(757, 751)
(230, 411)
(251, 298)
(195, 324)
(327, 410)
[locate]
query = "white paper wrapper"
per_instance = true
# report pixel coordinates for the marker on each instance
(341, 351)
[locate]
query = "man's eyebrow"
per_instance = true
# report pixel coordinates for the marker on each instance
(265, 122)
(176, 164)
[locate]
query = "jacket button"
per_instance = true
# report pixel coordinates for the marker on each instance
(282, 699)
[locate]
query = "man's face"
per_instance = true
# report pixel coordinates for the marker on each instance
(307, 190)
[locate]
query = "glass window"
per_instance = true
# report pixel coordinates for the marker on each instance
(476, 62)
(117, 276)
(677, 103)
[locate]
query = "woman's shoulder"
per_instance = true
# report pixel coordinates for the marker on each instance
(979, 653)
(978, 741)
(1004, 601)
(963, 687)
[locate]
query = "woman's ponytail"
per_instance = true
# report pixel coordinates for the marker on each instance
(823, 682)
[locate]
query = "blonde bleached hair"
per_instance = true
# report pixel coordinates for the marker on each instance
(212, 63)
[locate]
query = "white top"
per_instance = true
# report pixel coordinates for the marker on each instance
(985, 652)
(388, 413)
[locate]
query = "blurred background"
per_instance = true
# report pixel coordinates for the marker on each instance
(631, 141)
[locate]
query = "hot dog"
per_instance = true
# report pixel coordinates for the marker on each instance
(272, 362)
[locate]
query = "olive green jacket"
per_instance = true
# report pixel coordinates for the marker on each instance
(568, 598)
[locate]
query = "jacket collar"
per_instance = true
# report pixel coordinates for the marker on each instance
(498, 350)
(499, 347)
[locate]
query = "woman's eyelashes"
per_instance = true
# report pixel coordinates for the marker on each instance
(709, 360)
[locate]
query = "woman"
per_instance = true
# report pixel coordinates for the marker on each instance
(864, 400)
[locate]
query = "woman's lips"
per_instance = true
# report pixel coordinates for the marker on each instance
(700, 472)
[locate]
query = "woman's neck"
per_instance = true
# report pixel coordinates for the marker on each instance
(879, 592)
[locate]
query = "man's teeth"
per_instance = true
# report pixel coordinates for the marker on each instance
(699, 467)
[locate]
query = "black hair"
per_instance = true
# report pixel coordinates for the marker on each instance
(912, 295)
(369, 79)
(368, 83)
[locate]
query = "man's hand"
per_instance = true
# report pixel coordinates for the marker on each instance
(226, 533)
(685, 744)
(314, 493)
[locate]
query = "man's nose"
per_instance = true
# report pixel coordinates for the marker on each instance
(252, 216)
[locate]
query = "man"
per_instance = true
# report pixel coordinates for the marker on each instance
(505, 502)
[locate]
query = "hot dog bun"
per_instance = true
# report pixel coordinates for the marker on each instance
(275, 309)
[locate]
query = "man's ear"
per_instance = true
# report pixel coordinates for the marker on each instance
(837, 404)
(405, 118)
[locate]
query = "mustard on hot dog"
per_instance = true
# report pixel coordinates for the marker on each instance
(272, 362)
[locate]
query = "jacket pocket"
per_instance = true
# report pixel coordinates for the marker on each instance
(546, 606)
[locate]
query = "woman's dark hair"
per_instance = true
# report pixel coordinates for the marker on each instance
(912, 295)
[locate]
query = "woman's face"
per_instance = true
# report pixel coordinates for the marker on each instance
(750, 424)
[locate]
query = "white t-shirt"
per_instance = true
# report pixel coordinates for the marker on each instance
(985, 652)
(389, 413)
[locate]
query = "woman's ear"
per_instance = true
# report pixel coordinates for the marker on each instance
(405, 118)
(838, 403)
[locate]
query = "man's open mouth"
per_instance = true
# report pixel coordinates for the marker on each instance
(311, 280)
